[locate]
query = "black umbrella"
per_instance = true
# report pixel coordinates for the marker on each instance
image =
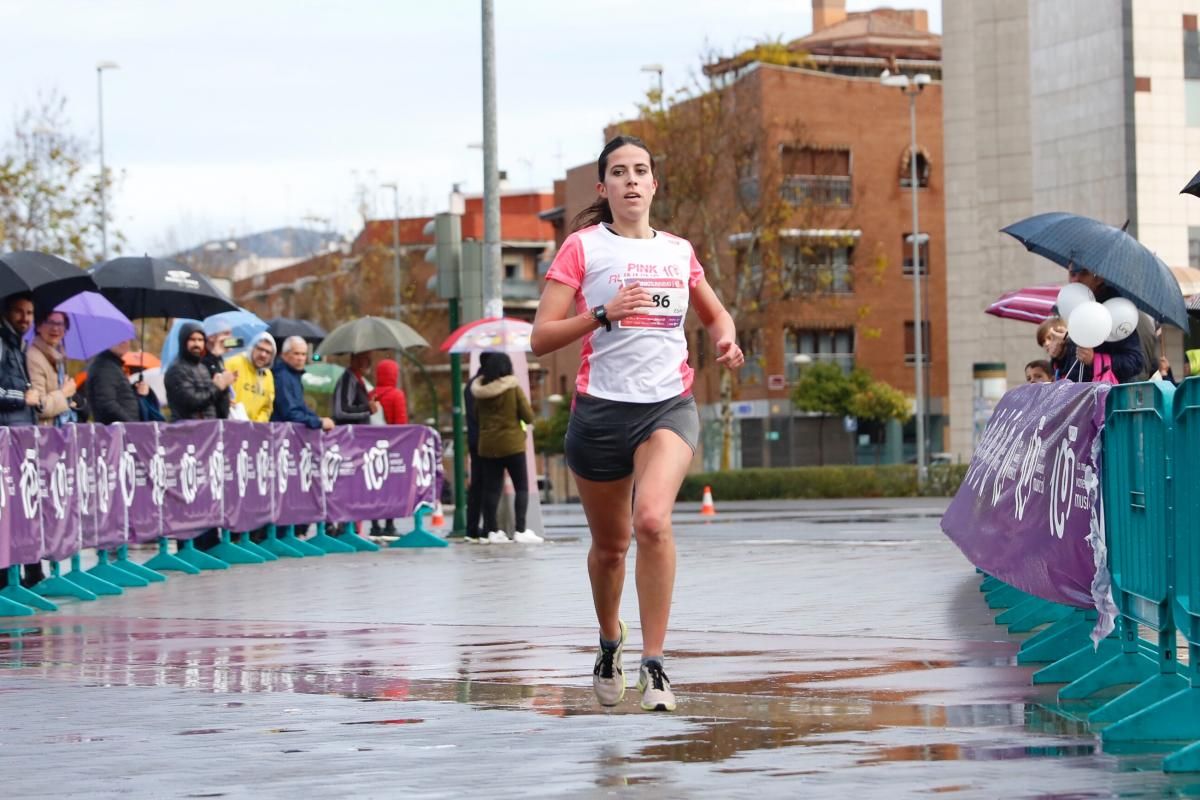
(1122, 261)
(1193, 186)
(283, 327)
(141, 286)
(49, 278)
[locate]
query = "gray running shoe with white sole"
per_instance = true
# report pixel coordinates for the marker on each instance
(608, 676)
(655, 688)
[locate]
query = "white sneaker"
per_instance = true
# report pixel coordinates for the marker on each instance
(608, 676)
(498, 537)
(655, 688)
(527, 537)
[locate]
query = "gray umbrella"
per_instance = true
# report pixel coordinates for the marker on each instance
(370, 333)
(1122, 261)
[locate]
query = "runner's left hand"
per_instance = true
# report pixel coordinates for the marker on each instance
(730, 354)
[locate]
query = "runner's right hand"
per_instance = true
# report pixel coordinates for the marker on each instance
(626, 302)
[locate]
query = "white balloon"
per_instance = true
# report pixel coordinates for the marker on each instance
(1124, 318)
(1089, 324)
(1071, 296)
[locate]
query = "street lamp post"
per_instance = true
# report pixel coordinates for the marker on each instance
(658, 68)
(395, 187)
(100, 67)
(912, 87)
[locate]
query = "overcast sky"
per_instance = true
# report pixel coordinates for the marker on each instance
(229, 117)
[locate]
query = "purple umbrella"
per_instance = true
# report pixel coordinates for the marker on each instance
(96, 325)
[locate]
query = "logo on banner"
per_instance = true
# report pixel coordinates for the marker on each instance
(59, 489)
(283, 463)
(262, 467)
(30, 491)
(103, 490)
(216, 471)
(1062, 483)
(243, 468)
(83, 482)
(158, 475)
(307, 468)
(424, 461)
(331, 462)
(189, 474)
(375, 466)
(127, 473)
(1029, 469)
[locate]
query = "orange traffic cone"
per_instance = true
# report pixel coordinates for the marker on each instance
(439, 519)
(707, 508)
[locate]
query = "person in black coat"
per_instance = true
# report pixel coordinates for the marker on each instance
(111, 397)
(475, 487)
(1075, 363)
(192, 391)
(19, 401)
(351, 403)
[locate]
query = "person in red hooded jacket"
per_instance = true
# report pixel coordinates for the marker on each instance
(390, 397)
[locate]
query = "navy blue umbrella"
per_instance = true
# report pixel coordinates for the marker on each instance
(1122, 261)
(1193, 186)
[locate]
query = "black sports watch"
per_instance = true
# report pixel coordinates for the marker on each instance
(600, 314)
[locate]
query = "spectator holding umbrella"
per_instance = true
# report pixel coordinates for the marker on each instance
(193, 391)
(47, 365)
(19, 401)
(503, 411)
(289, 391)
(352, 404)
(475, 487)
(111, 397)
(254, 387)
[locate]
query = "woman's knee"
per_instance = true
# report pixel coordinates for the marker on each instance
(652, 526)
(610, 550)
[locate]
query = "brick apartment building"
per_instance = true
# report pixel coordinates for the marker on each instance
(333, 287)
(846, 177)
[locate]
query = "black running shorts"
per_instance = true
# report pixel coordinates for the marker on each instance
(603, 434)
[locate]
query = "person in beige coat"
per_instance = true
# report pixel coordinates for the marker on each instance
(47, 365)
(503, 411)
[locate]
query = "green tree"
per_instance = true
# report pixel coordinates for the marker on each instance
(549, 433)
(826, 390)
(49, 198)
(877, 401)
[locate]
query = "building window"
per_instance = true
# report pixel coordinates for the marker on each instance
(818, 176)
(512, 270)
(804, 346)
(1191, 76)
(910, 349)
(750, 341)
(906, 245)
(1194, 247)
(814, 268)
(923, 168)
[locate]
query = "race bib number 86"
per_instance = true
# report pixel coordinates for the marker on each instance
(668, 298)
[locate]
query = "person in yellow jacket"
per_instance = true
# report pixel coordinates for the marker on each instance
(254, 385)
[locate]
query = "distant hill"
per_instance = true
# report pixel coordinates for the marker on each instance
(221, 255)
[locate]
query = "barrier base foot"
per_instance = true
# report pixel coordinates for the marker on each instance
(1006, 597)
(300, 545)
(231, 553)
(107, 572)
(254, 548)
(1050, 612)
(197, 558)
(90, 582)
(1185, 760)
(1054, 629)
(1144, 695)
(360, 543)
(20, 596)
(279, 547)
(11, 608)
(1174, 718)
(1021, 609)
(1060, 645)
(1078, 664)
(1126, 668)
(133, 568)
(166, 562)
(58, 586)
(327, 543)
(990, 584)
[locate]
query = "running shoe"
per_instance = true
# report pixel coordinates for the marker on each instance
(608, 676)
(527, 537)
(498, 537)
(655, 688)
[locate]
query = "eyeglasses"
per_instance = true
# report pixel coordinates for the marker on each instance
(54, 323)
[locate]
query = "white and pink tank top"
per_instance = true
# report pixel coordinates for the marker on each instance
(643, 359)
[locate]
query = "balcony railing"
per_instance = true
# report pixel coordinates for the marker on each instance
(516, 289)
(820, 190)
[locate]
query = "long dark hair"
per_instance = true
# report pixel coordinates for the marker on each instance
(495, 367)
(599, 211)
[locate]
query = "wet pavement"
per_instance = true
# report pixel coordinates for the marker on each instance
(818, 648)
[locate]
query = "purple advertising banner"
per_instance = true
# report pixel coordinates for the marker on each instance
(297, 474)
(1028, 511)
(97, 486)
(190, 452)
(378, 472)
(141, 480)
(249, 475)
(107, 509)
(57, 456)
